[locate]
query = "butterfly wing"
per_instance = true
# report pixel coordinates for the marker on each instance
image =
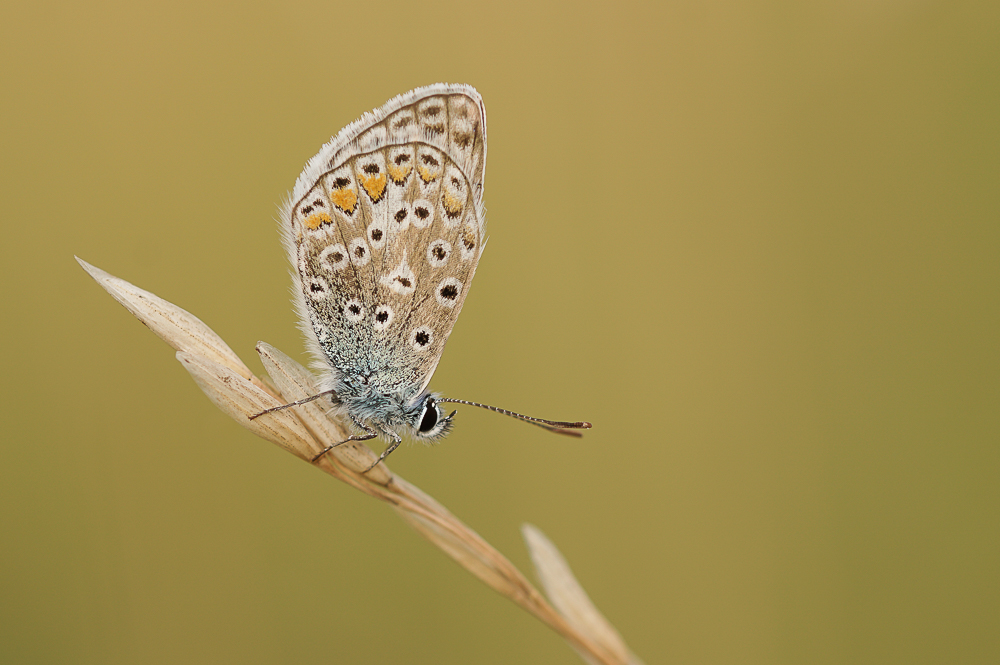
(385, 227)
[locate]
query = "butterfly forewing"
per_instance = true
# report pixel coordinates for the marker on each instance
(386, 231)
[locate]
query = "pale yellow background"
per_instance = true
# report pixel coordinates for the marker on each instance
(755, 243)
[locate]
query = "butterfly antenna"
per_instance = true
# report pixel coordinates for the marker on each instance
(556, 426)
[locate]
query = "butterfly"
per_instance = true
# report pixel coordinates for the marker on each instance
(385, 228)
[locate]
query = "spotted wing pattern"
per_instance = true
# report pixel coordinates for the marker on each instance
(385, 227)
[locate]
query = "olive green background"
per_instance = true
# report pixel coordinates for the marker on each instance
(755, 243)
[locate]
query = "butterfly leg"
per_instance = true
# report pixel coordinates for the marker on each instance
(369, 434)
(291, 404)
(396, 440)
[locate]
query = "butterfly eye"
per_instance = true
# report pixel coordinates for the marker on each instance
(429, 419)
(433, 422)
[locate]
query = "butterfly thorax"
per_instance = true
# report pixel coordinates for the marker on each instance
(368, 405)
(377, 396)
(386, 413)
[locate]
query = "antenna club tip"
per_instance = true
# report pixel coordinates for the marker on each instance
(584, 425)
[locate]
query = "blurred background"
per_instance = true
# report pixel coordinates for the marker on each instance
(755, 243)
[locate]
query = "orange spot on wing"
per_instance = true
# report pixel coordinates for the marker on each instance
(398, 173)
(313, 222)
(374, 185)
(345, 199)
(452, 204)
(468, 238)
(426, 174)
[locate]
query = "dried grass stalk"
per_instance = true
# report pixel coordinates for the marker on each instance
(306, 430)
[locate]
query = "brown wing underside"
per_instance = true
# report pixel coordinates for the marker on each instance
(389, 237)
